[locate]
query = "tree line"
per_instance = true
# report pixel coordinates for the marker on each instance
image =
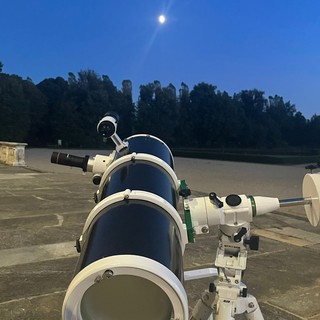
(205, 117)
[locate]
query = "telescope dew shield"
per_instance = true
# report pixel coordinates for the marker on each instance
(130, 265)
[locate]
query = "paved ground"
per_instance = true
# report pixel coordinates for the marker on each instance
(43, 208)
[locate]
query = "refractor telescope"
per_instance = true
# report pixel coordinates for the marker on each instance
(131, 248)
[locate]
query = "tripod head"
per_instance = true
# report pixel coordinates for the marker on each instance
(234, 211)
(227, 295)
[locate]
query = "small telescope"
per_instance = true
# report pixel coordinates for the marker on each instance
(131, 248)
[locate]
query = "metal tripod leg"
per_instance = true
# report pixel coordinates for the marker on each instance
(243, 305)
(211, 306)
(203, 310)
(253, 311)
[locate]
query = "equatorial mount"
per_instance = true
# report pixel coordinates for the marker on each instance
(227, 295)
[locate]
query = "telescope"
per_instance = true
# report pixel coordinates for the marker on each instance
(131, 249)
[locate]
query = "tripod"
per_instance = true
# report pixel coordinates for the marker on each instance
(227, 296)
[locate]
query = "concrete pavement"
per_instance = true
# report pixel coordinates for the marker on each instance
(43, 208)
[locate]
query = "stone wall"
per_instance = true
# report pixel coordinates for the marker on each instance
(12, 153)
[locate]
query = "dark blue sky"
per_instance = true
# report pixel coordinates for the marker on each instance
(271, 45)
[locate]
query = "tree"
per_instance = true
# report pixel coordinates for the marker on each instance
(205, 114)
(75, 107)
(36, 104)
(185, 124)
(231, 120)
(55, 92)
(299, 135)
(157, 111)
(314, 131)
(204, 117)
(253, 104)
(282, 116)
(125, 107)
(14, 111)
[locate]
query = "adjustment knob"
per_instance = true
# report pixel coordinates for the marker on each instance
(238, 236)
(185, 192)
(96, 179)
(213, 197)
(253, 242)
(244, 292)
(233, 200)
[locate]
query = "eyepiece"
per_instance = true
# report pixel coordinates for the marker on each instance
(70, 160)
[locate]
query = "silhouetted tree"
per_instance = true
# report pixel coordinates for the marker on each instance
(299, 134)
(282, 115)
(36, 104)
(314, 131)
(14, 116)
(184, 135)
(205, 114)
(55, 91)
(157, 111)
(253, 104)
(203, 117)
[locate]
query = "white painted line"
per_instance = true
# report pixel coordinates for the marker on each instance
(39, 198)
(8, 176)
(24, 255)
(33, 297)
(10, 217)
(312, 237)
(11, 193)
(60, 221)
(296, 237)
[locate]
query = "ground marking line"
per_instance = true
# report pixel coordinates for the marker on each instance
(32, 297)
(37, 253)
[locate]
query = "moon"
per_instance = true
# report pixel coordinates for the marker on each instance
(162, 19)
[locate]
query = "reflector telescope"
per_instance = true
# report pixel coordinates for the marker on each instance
(132, 244)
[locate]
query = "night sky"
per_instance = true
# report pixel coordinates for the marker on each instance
(271, 45)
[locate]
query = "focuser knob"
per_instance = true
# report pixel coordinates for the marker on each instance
(253, 242)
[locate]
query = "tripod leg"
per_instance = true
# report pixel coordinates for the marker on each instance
(203, 309)
(253, 310)
(210, 307)
(224, 311)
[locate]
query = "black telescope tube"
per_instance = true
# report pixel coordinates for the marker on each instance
(70, 160)
(136, 227)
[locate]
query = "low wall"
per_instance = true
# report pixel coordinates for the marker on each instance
(12, 153)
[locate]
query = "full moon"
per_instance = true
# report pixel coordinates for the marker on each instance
(162, 19)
